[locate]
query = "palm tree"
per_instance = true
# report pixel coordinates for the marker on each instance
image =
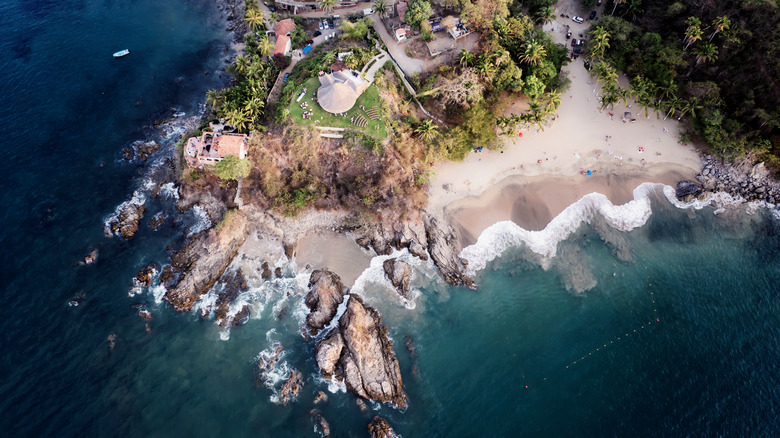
(617, 2)
(500, 55)
(241, 65)
(706, 53)
(273, 18)
(466, 58)
(485, 66)
(545, 15)
(689, 106)
(534, 53)
(380, 7)
(600, 41)
(635, 9)
(673, 104)
(551, 100)
(238, 118)
(693, 33)
(215, 98)
(326, 5)
(668, 89)
(330, 57)
(720, 24)
(427, 130)
(265, 45)
(255, 19)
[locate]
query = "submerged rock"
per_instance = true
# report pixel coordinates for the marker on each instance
(380, 428)
(320, 423)
(323, 299)
(292, 386)
(399, 273)
(144, 277)
(361, 353)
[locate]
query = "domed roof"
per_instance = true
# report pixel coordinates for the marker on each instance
(336, 97)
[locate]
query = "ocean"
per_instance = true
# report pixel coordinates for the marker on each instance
(675, 332)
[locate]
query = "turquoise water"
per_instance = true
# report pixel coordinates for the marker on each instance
(701, 292)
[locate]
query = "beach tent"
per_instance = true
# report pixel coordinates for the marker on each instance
(307, 49)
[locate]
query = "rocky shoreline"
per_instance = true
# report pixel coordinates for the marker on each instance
(744, 179)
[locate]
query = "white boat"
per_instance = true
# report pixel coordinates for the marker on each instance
(121, 53)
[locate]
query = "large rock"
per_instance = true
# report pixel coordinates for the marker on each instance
(443, 247)
(323, 299)
(144, 149)
(204, 259)
(380, 428)
(399, 273)
(126, 222)
(687, 190)
(408, 233)
(361, 353)
(291, 387)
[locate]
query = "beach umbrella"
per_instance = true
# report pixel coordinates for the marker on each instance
(589, 172)
(520, 134)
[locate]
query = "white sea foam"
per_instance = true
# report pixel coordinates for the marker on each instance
(504, 235)
(169, 190)
(374, 278)
(202, 221)
(137, 199)
(499, 237)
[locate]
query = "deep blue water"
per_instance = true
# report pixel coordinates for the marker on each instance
(487, 363)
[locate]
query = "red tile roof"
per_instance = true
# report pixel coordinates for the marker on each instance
(284, 27)
(281, 45)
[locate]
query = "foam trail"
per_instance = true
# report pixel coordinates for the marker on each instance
(504, 235)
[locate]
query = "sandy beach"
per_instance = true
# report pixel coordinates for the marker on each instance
(534, 177)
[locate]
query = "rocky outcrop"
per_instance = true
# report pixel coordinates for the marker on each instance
(380, 428)
(424, 236)
(361, 353)
(320, 424)
(144, 277)
(752, 182)
(291, 387)
(408, 233)
(325, 294)
(399, 273)
(144, 149)
(233, 285)
(126, 222)
(443, 246)
(204, 259)
(214, 204)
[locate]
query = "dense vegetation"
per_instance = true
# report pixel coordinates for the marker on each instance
(715, 62)
(514, 57)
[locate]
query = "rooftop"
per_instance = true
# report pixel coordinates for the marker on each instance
(284, 27)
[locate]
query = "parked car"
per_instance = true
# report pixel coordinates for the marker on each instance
(577, 50)
(325, 24)
(317, 33)
(574, 42)
(568, 35)
(286, 75)
(321, 27)
(592, 15)
(577, 19)
(580, 43)
(330, 23)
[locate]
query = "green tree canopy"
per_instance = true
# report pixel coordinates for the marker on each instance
(232, 168)
(416, 12)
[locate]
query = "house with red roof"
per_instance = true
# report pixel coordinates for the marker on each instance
(212, 147)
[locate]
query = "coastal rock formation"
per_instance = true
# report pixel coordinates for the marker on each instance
(157, 221)
(687, 190)
(144, 149)
(361, 352)
(752, 182)
(408, 233)
(234, 284)
(144, 277)
(204, 259)
(325, 294)
(291, 387)
(380, 428)
(320, 424)
(126, 222)
(399, 273)
(214, 204)
(443, 247)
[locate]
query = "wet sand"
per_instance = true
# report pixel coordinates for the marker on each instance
(532, 202)
(335, 252)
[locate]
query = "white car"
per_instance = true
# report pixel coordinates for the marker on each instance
(325, 24)
(577, 19)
